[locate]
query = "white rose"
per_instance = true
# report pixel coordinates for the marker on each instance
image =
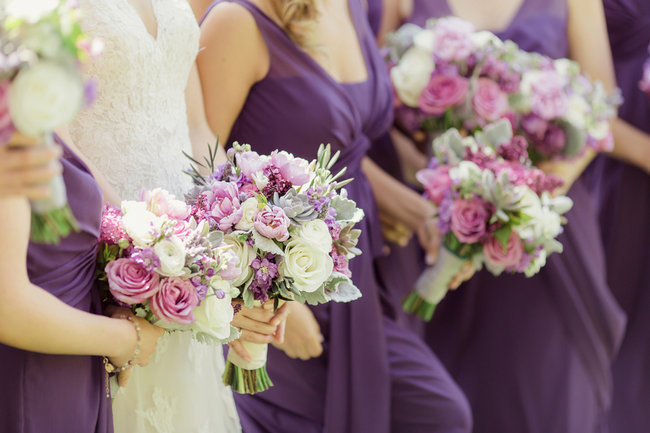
(309, 266)
(412, 74)
(566, 67)
(249, 210)
(315, 232)
(213, 315)
(140, 224)
(30, 10)
(171, 253)
(577, 113)
(43, 97)
(484, 38)
(599, 130)
(246, 255)
(425, 40)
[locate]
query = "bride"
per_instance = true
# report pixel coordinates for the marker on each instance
(134, 134)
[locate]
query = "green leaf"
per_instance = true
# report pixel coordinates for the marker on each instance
(266, 244)
(503, 236)
(312, 298)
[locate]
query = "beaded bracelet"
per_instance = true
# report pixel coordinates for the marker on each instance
(110, 368)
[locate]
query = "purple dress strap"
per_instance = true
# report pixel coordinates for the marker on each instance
(61, 393)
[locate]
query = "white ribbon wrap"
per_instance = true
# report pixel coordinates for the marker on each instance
(433, 284)
(258, 354)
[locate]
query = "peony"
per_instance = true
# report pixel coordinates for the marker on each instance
(45, 96)
(506, 257)
(130, 282)
(436, 182)
(6, 125)
(443, 92)
(245, 253)
(175, 300)
(469, 219)
(225, 209)
(316, 233)
(272, 222)
(489, 101)
(249, 209)
(161, 202)
(295, 170)
(453, 39)
(411, 75)
(171, 253)
(545, 90)
(213, 316)
(307, 265)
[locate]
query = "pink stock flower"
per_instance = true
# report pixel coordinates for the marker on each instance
(443, 92)
(6, 125)
(175, 300)
(341, 264)
(469, 219)
(295, 170)
(111, 229)
(224, 205)
(452, 39)
(161, 202)
(489, 101)
(436, 182)
(273, 223)
(130, 282)
(548, 99)
(509, 256)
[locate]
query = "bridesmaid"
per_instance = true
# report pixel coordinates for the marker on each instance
(51, 328)
(534, 355)
(624, 193)
(273, 75)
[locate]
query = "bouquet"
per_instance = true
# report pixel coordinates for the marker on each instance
(644, 84)
(448, 75)
(290, 225)
(494, 209)
(41, 50)
(155, 259)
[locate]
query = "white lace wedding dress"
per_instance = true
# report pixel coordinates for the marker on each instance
(134, 133)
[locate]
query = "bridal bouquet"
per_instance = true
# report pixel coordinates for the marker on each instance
(291, 227)
(41, 49)
(449, 75)
(494, 209)
(157, 260)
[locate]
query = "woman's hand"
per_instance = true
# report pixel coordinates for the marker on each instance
(429, 236)
(303, 338)
(26, 168)
(258, 325)
(394, 231)
(466, 272)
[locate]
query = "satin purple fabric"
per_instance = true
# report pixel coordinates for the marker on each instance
(373, 375)
(623, 192)
(61, 393)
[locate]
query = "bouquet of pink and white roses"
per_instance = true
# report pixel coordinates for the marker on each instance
(157, 260)
(291, 227)
(494, 209)
(449, 75)
(41, 49)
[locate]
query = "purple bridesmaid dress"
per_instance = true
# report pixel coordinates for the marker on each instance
(373, 376)
(534, 355)
(61, 393)
(624, 194)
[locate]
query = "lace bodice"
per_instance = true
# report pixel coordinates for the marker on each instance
(136, 129)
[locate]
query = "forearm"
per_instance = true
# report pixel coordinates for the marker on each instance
(631, 144)
(395, 199)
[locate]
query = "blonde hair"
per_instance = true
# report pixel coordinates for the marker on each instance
(297, 17)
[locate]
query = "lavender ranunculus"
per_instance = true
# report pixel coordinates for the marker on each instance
(223, 201)
(509, 256)
(489, 101)
(251, 163)
(175, 300)
(162, 202)
(443, 92)
(436, 182)
(130, 282)
(469, 219)
(295, 170)
(273, 223)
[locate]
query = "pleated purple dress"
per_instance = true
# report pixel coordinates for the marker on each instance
(534, 355)
(373, 376)
(61, 393)
(624, 195)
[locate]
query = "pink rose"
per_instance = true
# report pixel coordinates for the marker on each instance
(453, 39)
(272, 222)
(250, 163)
(548, 98)
(182, 230)
(469, 219)
(436, 182)
(223, 201)
(130, 282)
(443, 92)
(161, 202)
(295, 170)
(6, 125)
(489, 101)
(509, 256)
(175, 300)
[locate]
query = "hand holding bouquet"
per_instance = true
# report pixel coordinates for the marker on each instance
(494, 209)
(41, 49)
(291, 229)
